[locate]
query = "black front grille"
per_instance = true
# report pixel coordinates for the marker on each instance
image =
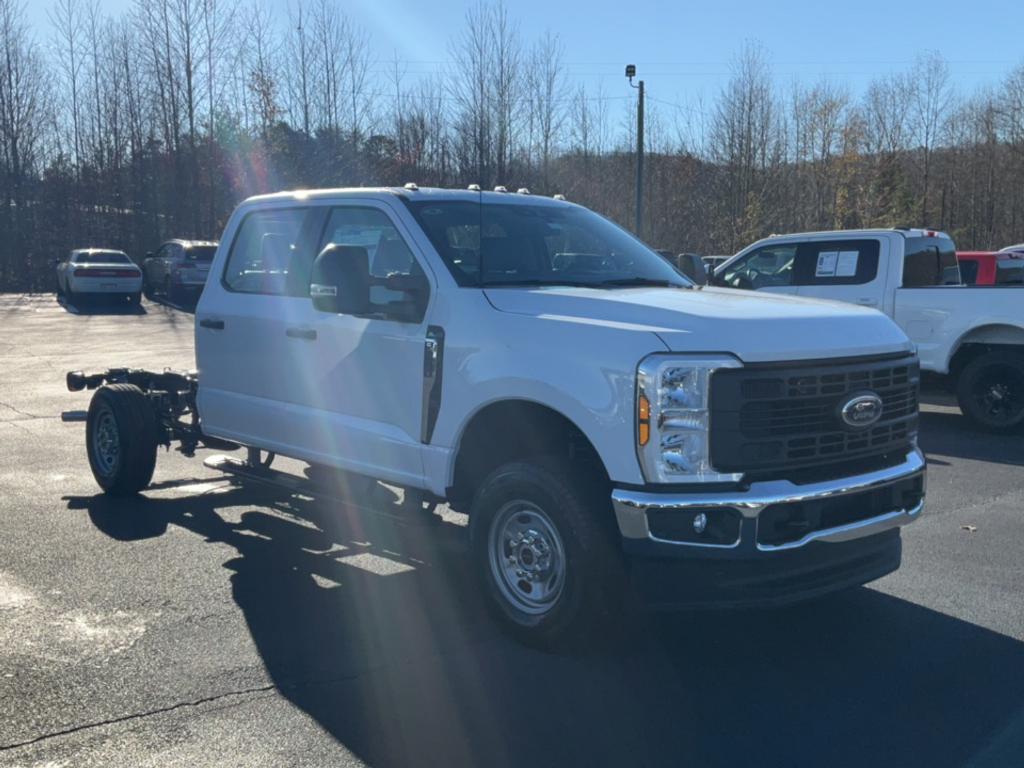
(788, 417)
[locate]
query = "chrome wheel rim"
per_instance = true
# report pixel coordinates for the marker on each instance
(527, 557)
(106, 443)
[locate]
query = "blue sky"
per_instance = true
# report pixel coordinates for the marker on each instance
(683, 49)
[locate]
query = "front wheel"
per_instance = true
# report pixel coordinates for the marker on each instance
(990, 391)
(544, 549)
(121, 439)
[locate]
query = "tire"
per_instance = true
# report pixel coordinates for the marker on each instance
(568, 562)
(168, 290)
(135, 299)
(990, 391)
(121, 439)
(147, 290)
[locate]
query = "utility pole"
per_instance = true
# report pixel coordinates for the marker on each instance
(631, 73)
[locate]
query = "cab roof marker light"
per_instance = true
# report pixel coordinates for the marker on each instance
(522, 191)
(500, 188)
(412, 187)
(473, 187)
(559, 196)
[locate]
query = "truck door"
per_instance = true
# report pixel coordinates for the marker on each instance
(251, 372)
(853, 271)
(362, 377)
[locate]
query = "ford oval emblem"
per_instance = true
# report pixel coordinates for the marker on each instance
(862, 410)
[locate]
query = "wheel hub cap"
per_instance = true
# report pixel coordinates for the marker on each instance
(527, 557)
(106, 443)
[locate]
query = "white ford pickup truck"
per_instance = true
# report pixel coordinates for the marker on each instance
(971, 336)
(604, 422)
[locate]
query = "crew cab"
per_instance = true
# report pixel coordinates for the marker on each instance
(991, 267)
(178, 269)
(98, 271)
(971, 338)
(610, 428)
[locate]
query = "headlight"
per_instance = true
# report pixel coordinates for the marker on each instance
(673, 418)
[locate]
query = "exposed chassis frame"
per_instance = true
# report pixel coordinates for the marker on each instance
(171, 394)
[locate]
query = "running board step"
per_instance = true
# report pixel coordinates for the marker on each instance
(294, 484)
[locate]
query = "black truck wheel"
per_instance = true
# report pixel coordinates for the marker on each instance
(121, 439)
(990, 391)
(545, 553)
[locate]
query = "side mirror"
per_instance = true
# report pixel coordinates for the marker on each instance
(149, 254)
(694, 268)
(340, 280)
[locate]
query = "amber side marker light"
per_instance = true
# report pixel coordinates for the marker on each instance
(643, 419)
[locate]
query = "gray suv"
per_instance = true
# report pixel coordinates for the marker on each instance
(178, 269)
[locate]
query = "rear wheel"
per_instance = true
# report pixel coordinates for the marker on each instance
(121, 439)
(990, 391)
(135, 299)
(545, 553)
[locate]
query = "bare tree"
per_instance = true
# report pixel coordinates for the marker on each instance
(544, 83)
(66, 19)
(931, 97)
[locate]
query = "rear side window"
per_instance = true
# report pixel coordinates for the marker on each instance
(929, 261)
(271, 253)
(837, 262)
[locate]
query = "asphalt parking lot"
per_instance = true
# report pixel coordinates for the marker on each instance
(214, 624)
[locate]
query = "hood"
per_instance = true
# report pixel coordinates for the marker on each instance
(756, 327)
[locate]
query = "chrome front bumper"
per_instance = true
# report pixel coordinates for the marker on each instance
(632, 507)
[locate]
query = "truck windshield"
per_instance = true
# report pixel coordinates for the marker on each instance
(493, 244)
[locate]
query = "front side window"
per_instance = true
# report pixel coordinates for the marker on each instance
(505, 244)
(386, 249)
(768, 267)
(267, 254)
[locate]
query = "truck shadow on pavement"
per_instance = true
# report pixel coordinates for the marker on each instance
(100, 305)
(950, 434)
(373, 627)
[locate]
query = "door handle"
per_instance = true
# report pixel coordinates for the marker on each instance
(209, 322)
(867, 302)
(301, 333)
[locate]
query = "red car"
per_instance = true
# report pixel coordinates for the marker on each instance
(991, 268)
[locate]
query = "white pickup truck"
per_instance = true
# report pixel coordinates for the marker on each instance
(604, 422)
(973, 337)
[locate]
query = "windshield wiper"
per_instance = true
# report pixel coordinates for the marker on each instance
(629, 282)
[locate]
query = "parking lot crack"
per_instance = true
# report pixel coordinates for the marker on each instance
(138, 716)
(20, 412)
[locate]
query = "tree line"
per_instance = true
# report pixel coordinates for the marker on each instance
(121, 131)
